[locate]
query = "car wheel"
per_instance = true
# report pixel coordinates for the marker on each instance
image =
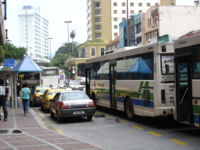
(58, 118)
(89, 118)
(129, 109)
(52, 115)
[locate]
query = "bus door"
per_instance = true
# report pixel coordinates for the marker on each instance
(87, 80)
(184, 89)
(112, 69)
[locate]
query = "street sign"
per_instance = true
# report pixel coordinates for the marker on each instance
(8, 63)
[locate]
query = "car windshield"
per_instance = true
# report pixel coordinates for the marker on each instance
(53, 92)
(73, 96)
(41, 91)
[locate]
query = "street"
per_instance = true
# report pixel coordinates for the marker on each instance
(112, 131)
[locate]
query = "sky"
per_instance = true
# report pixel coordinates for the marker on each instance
(56, 11)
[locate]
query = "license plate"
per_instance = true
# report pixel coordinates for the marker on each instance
(78, 112)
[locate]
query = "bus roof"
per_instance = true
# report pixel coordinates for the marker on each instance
(129, 52)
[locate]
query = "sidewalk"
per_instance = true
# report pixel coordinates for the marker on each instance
(25, 133)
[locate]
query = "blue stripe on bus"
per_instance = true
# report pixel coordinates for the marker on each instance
(197, 119)
(138, 102)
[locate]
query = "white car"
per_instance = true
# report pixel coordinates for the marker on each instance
(75, 85)
(70, 104)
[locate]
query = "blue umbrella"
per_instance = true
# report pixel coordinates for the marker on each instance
(140, 67)
(27, 65)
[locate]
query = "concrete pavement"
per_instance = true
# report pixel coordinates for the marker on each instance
(26, 132)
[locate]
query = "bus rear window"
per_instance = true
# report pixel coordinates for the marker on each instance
(167, 64)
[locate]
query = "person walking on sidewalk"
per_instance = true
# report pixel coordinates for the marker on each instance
(25, 95)
(3, 99)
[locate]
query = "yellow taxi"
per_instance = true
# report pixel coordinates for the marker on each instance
(37, 95)
(48, 96)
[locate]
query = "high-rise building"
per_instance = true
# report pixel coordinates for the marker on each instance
(104, 16)
(34, 33)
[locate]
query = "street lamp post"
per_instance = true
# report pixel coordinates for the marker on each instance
(50, 38)
(68, 22)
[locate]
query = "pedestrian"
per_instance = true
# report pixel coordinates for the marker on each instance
(25, 95)
(3, 99)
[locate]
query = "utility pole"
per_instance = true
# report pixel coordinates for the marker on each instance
(50, 38)
(127, 17)
(68, 22)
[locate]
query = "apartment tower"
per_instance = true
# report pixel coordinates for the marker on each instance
(34, 33)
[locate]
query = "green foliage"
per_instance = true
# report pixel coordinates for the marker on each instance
(63, 53)
(11, 51)
(1, 54)
(71, 49)
(8, 50)
(59, 60)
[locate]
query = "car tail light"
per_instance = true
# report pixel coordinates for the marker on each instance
(61, 105)
(91, 104)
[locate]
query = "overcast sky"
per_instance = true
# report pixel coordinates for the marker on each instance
(56, 11)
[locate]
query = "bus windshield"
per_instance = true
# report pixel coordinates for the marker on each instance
(167, 64)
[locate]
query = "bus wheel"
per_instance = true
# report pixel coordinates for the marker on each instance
(129, 109)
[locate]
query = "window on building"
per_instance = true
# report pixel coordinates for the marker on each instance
(115, 34)
(123, 11)
(97, 19)
(131, 4)
(97, 27)
(93, 50)
(102, 51)
(82, 53)
(98, 35)
(115, 26)
(97, 4)
(140, 4)
(132, 11)
(97, 12)
(140, 11)
(115, 11)
(156, 4)
(115, 19)
(115, 4)
(148, 4)
(123, 4)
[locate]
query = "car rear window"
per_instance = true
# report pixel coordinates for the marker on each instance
(73, 96)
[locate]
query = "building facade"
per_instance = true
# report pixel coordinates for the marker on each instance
(34, 33)
(2, 29)
(104, 16)
(165, 21)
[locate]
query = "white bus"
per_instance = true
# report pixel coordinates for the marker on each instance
(139, 81)
(187, 63)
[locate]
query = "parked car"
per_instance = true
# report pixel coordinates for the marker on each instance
(37, 96)
(71, 104)
(75, 85)
(47, 97)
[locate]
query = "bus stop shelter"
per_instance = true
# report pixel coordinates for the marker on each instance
(27, 65)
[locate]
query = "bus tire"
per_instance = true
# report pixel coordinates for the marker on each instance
(129, 108)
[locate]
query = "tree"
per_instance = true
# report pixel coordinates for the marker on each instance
(59, 60)
(1, 54)
(67, 49)
(11, 51)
